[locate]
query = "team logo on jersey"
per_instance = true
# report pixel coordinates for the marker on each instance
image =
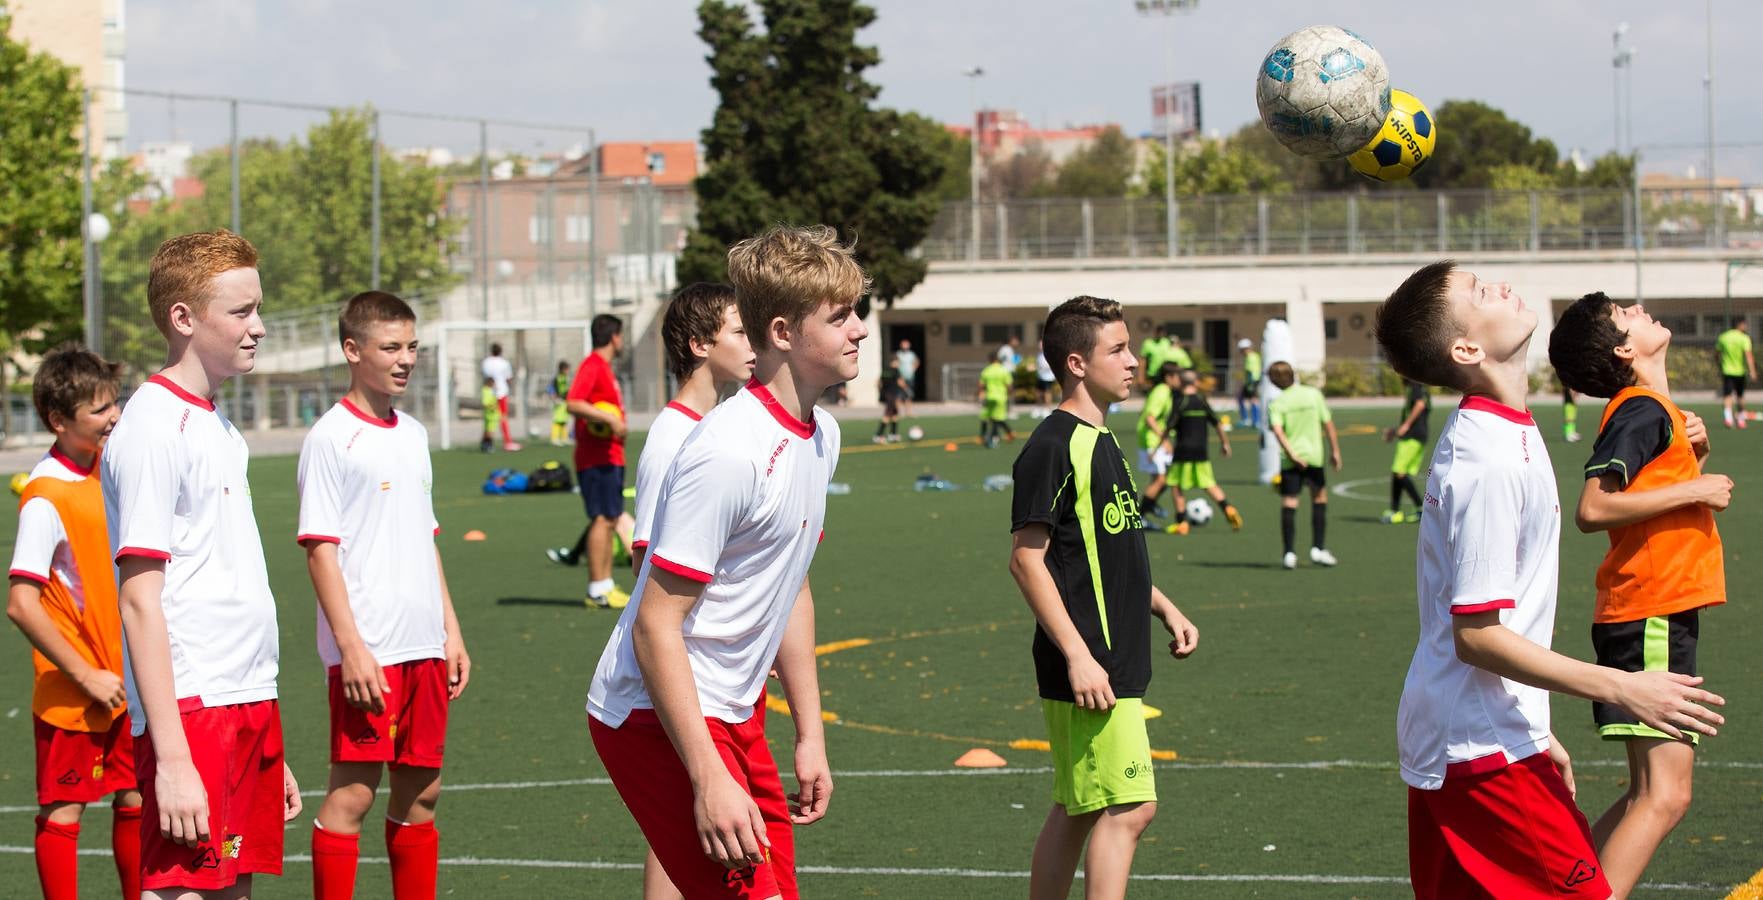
(229, 848)
(367, 735)
(205, 859)
(1121, 513)
(771, 464)
(1582, 872)
(385, 485)
(1134, 768)
(69, 777)
(98, 770)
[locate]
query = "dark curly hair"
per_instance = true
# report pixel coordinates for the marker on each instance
(1582, 348)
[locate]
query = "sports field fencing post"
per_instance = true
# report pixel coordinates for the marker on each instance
(1089, 218)
(374, 149)
(483, 227)
(233, 161)
(1536, 240)
(94, 316)
(1261, 224)
(1443, 202)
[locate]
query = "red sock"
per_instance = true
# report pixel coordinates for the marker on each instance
(125, 844)
(416, 853)
(58, 859)
(333, 864)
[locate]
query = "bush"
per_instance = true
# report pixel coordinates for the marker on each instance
(1358, 378)
(1692, 367)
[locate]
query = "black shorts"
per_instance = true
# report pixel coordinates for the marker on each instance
(1292, 479)
(1732, 386)
(1044, 384)
(1644, 645)
(890, 408)
(1250, 389)
(602, 490)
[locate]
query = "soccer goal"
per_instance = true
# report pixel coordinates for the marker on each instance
(534, 347)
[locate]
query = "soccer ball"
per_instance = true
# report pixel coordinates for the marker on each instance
(1199, 511)
(601, 429)
(1404, 144)
(1323, 91)
(19, 480)
(915, 433)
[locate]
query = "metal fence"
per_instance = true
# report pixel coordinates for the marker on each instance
(1347, 223)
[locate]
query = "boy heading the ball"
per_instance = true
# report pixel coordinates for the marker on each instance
(1078, 556)
(63, 597)
(1490, 788)
(1645, 487)
(198, 618)
(675, 706)
(387, 635)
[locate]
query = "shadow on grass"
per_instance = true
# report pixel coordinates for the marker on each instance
(539, 601)
(1231, 564)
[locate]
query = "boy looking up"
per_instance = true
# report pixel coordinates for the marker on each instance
(198, 618)
(387, 634)
(676, 704)
(1078, 556)
(1645, 486)
(1410, 436)
(1299, 417)
(1191, 423)
(1490, 788)
(63, 597)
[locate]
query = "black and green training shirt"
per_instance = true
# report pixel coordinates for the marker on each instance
(1073, 478)
(1192, 421)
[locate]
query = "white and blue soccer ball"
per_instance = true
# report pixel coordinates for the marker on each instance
(1323, 91)
(1199, 511)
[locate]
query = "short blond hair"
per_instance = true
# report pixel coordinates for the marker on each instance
(790, 271)
(184, 268)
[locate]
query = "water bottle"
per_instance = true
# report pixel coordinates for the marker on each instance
(998, 483)
(837, 489)
(930, 482)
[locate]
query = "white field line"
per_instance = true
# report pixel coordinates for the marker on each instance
(1348, 489)
(601, 865)
(1251, 765)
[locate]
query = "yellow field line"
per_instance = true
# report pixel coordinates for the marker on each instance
(781, 706)
(1750, 890)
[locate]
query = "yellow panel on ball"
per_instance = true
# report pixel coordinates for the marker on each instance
(1403, 145)
(601, 429)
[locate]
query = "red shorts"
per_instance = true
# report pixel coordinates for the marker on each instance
(237, 750)
(83, 766)
(413, 729)
(1511, 833)
(653, 783)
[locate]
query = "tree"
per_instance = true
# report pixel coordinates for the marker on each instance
(1101, 169)
(1474, 139)
(1025, 173)
(956, 152)
(40, 108)
(1213, 167)
(796, 139)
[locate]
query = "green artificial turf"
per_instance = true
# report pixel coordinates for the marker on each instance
(1298, 669)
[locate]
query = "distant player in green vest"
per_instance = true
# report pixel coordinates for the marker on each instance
(1249, 398)
(1299, 418)
(1153, 426)
(1152, 353)
(558, 388)
(994, 399)
(1737, 366)
(1177, 353)
(1410, 435)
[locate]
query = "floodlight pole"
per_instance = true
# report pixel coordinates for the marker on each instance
(973, 76)
(1171, 213)
(93, 326)
(1619, 60)
(1717, 224)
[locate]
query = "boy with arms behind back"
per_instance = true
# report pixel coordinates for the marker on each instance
(1645, 486)
(198, 618)
(1490, 789)
(63, 597)
(676, 704)
(1073, 512)
(387, 634)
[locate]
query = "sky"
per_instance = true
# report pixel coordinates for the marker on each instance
(635, 69)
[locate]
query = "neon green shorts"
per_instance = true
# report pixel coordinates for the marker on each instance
(560, 414)
(1100, 759)
(1409, 454)
(1193, 476)
(994, 410)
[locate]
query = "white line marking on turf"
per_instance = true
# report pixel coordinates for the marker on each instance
(1346, 489)
(602, 865)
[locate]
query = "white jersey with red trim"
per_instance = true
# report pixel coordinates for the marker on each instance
(40, 549)
(1489, 540)
(741, 511)
(366, 485)
(673, 425)
(175, 489)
